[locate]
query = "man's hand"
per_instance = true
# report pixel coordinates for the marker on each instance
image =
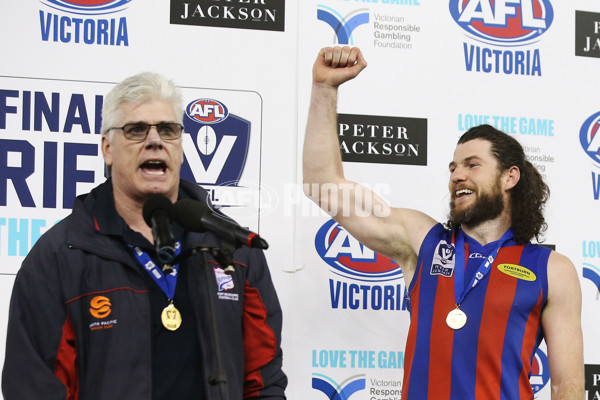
(336, 65)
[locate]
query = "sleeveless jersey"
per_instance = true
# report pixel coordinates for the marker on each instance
(491, 356)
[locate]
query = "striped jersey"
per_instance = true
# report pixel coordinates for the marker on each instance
(491, 356)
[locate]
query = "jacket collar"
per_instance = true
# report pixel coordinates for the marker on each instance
(94, 223)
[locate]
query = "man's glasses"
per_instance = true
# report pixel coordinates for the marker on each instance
(138, 131)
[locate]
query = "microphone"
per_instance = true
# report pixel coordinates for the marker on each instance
(197, 216)
(158, 214)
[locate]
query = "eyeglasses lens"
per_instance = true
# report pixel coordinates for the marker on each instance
(139, 131)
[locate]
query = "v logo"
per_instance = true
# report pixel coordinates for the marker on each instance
(335, 391)
(343, 28)
(211, 174)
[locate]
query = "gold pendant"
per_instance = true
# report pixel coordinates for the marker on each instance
(171, 317)
(456, 318)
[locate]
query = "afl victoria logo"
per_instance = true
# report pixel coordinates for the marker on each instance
(100, 307)
(216, 143)
(350, 258)
(89, 7)
(503, 22)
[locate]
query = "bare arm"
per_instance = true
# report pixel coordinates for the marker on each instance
(394, 232)
(561, 320)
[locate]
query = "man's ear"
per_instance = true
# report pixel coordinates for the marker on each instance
(511, 177)
(106, 150)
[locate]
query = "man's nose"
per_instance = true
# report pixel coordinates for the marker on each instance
(457, 175)
(153, 138)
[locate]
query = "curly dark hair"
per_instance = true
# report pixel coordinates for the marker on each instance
(529, 195)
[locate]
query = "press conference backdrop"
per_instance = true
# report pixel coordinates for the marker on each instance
(436, 68)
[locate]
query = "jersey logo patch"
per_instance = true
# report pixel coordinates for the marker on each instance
(517, 271)
(443, 260)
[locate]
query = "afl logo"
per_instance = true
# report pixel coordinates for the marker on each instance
(100, 307)
(540, 372)
(503, 22)
(89, 7)
(589, 136)
(350, 258)
(207, 111)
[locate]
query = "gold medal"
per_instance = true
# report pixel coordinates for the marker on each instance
(456, 318)
(171, 317)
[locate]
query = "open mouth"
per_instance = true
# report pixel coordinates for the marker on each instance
(154, 167)
(463, 192)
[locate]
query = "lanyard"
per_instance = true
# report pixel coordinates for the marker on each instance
(167, 282)
(460, 292)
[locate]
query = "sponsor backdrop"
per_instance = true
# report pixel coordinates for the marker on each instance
(436, 68)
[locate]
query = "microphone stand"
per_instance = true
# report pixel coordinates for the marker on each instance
(224, 257)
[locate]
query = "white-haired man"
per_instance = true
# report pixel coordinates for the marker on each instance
(94, 317)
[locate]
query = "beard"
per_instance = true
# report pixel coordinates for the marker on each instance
(487, 207)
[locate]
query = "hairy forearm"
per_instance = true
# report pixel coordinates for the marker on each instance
(321, 156)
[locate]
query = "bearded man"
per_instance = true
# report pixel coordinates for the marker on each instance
(482, 297)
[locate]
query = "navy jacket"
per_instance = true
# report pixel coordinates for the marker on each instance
(79, 321)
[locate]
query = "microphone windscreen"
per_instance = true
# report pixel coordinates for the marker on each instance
(153, 204)
(189, 213)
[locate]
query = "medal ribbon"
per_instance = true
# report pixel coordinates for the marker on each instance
(460, 292)
(168, 282)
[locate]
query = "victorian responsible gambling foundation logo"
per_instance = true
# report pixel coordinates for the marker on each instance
(504, 32)
(92, 22)
(338, 391)
(266, 15)
(342, 25)
(589, 138)
(362, 278)
(221, 141)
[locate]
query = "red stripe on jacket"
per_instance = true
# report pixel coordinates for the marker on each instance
(65, 368)
(260, 342)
